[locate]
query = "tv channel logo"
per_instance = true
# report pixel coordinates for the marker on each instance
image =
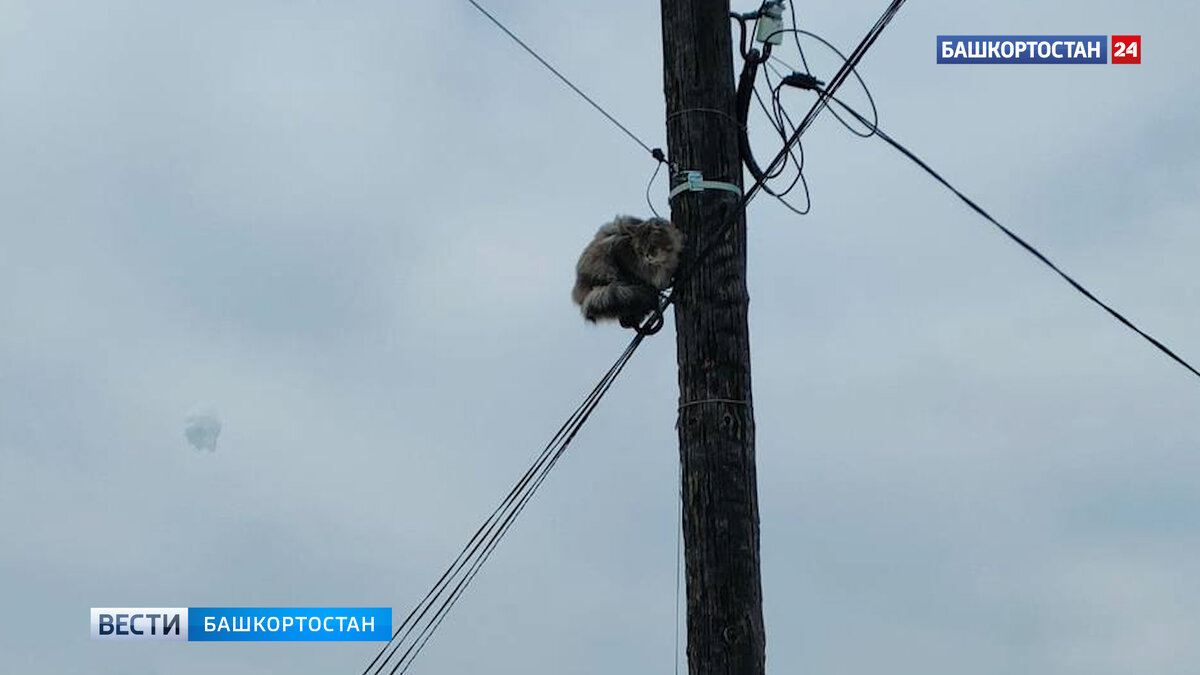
(1079, 49)
(1022, 49)
(140, 624)
(241, 624)
(1127, 49)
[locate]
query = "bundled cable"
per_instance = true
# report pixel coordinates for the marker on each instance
(411, 636)
(746, 91)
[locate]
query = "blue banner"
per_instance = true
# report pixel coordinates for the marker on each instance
(1022, 49)
(289, 624)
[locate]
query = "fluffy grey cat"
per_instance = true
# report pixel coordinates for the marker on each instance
(622, 270)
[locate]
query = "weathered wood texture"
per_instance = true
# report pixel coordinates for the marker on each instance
(716, 438)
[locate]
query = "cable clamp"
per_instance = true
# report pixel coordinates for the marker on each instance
(802, 81)
(694, 182)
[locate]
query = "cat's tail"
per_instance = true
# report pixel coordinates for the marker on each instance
(628, 303)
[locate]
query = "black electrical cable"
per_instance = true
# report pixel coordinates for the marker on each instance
(747, 89)
(745, 92)
(741, 19)
(783, 134)
(784, 127)
(562, 77)
(586, 411)
(1029, 248)
(650, 184)
(796, 36)
(416, 629)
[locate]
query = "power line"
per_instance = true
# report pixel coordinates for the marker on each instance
(1022, 243)
(796, 35)
(562, 77)
(423, 621)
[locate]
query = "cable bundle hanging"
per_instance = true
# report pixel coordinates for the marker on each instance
(411, 636)
(747, 89)
(792, 150)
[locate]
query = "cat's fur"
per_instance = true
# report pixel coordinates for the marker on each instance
(620, 273)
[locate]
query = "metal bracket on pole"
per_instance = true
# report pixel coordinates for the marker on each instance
(694, 182)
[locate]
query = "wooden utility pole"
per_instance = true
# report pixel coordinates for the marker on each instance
(716, 419)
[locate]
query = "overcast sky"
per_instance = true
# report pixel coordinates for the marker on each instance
(351, 228)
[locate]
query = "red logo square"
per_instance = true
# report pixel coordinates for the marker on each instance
(1127, 49)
